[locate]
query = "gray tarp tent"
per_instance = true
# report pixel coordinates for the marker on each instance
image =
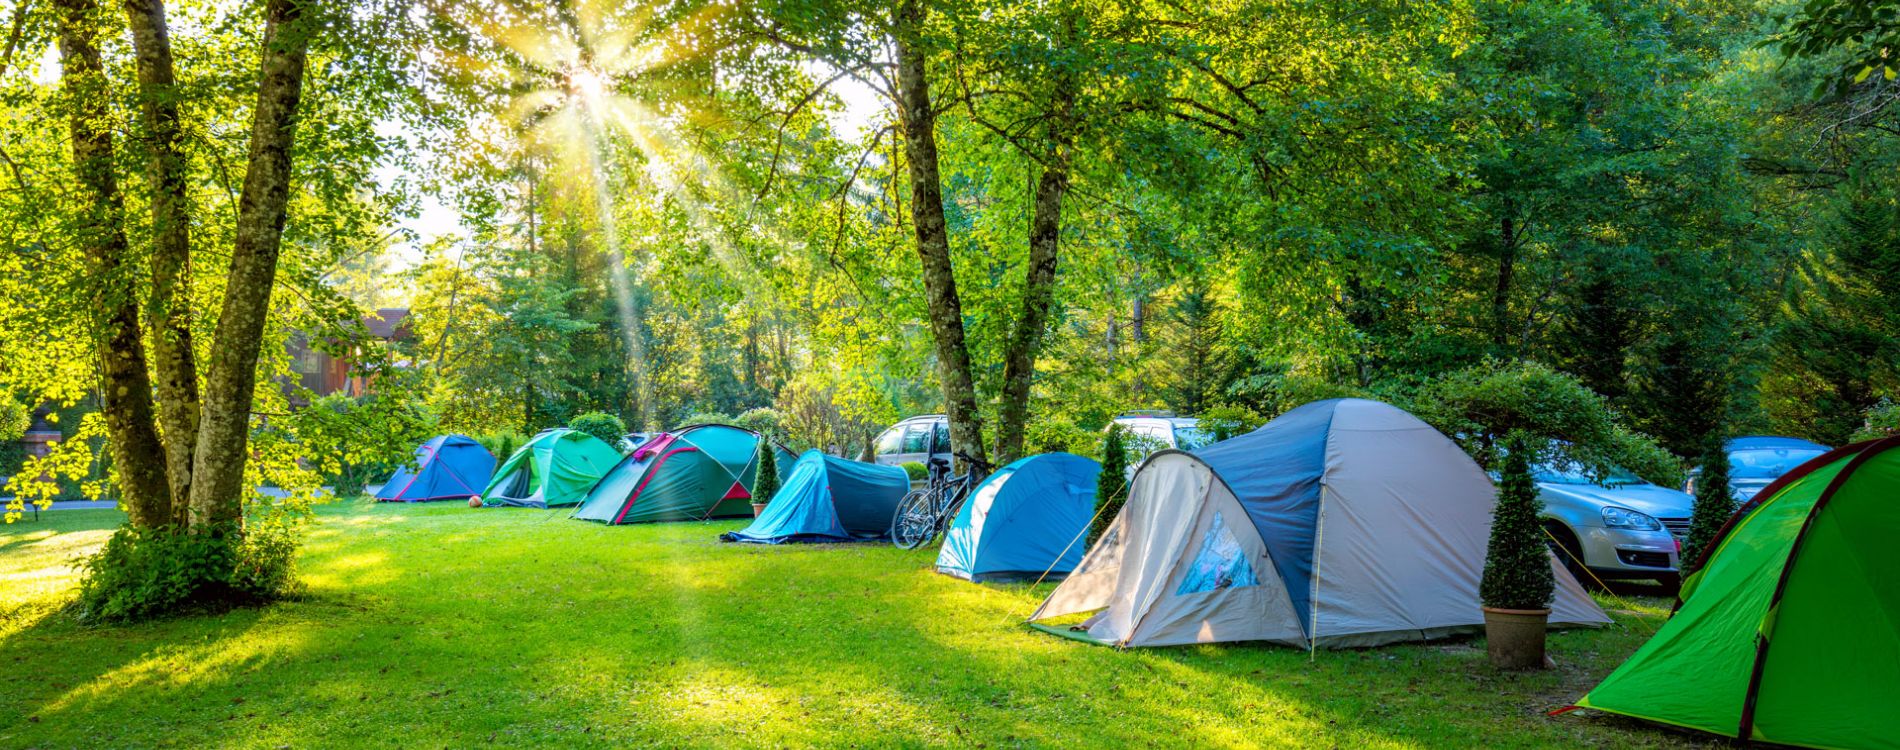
(1342, 523)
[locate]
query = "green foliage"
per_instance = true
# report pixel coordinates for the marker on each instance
(1842, 338)
(1111, 486)
(1882, 420)
(1058, 435)
(504, 443)
(350, 442)
(1517, 572)
(1714, 504)
(763, 420)
(705, 417)
(765, 485)
(1857, 36)
(1560, 419)
(146, 574)
(1223, 422)
(917, 471)
(14, 419)
(602, 425)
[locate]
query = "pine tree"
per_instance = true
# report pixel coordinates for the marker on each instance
(1111, 486)
(1714, 503)
(766, 485)
(1516, 563)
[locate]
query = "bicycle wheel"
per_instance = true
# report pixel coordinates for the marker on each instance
(914, 524)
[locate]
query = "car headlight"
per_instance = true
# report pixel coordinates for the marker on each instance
(1624, 518)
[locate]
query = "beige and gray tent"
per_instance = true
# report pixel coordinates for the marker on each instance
(1343, 523)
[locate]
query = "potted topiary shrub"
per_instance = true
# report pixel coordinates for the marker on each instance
(1517, 586)
(767, 483)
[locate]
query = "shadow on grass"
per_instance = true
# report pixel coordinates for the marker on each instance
(439, 626)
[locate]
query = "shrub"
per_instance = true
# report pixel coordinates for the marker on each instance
(1516, 561)
(1560, 420)
(1058, 435)
(14, 419)
(764, 420)
(602, 425)
(503, 444)
(917, 471)
(1714, 503)
(766, 483)
(1111, 486)
(1882, 420)
(1223, 422)
(141, 574)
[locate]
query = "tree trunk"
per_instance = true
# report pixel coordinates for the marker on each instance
(1045, 233)
(217, 487)
(126, 392)
(933, 239)
(1501, 295)
(168, 311)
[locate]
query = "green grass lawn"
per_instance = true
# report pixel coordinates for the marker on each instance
(445, 627)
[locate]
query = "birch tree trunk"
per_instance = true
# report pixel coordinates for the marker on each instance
(223, 437)
(126, 388)
(933, 240)
(168, 311)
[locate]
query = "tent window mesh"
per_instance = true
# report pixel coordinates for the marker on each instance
(1221, 564)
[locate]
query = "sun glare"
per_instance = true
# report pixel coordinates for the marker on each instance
(586, 84)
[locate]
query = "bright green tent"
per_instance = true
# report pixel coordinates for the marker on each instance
(557, 467)
(1790, 633)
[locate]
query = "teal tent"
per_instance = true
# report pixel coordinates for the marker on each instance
(689, 474)
(557, 467)
(829, 499)
(1025, 522)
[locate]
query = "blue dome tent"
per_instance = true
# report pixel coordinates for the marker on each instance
(447, 467)
(829, 499)
(1026, 520)
(1341, 524)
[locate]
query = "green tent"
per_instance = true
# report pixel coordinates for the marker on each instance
(1790, 633)
(690, 474)
(557, 467)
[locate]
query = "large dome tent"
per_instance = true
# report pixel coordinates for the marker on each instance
(447, 467)
(1342, 523)
(1787, 632)
(1027, 521)
(692, 473)
(557, 467)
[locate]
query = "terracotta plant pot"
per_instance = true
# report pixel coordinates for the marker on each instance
(1515, 637)
(757, 509)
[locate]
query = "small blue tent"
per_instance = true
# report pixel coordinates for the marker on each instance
(829, 499)
(1025, 521)
(447, 467)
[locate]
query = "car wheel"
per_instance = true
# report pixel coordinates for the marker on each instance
(1563, 544)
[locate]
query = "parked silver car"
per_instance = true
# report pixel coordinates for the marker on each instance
(1756, 460)
(917, 439)
(1152, 431)
(1620, 526)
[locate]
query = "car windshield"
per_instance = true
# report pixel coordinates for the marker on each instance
(1574, 473)
(1191, 438)
(1767, 463)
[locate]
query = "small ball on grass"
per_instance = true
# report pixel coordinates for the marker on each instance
(475, 502)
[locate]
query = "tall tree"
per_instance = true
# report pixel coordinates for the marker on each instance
(945, 308)
(168, 311)
(127, 386)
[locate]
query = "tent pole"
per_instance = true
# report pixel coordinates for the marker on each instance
(1312, 602)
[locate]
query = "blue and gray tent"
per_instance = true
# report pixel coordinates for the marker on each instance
(1342, 523)
(1028, 521)
(447, 467)
(829, 499)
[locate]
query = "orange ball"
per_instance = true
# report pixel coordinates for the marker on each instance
(475, 502)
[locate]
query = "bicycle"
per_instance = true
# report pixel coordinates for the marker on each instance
(927, 511)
